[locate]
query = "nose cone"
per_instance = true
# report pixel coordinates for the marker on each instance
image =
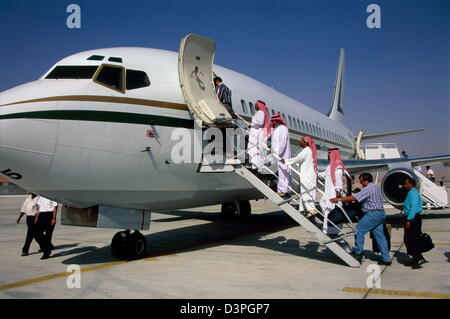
(26, 143)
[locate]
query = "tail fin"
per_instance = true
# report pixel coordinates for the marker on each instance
(337, 107)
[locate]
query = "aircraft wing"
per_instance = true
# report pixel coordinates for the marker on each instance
(358, 166)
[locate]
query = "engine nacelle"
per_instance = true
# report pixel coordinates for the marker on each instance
(392, 186)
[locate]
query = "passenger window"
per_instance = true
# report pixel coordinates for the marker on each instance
(137, 79)
(112, 77)
(252, 108)
(244, 107)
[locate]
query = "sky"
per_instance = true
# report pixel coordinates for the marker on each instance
(397, 76)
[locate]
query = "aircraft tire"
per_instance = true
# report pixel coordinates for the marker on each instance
(228, 209)
(245, 208)
(137, 245)
(119, 245)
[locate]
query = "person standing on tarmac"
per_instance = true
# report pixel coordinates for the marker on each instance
(46, 221)
(30, 209)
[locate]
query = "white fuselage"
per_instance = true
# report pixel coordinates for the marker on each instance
(80, 143)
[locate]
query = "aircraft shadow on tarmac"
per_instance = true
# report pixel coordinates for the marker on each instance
(447, 254)
(232, 231)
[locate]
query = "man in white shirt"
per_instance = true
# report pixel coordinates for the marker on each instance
(30, 209)
(430, 174)
(46, 221)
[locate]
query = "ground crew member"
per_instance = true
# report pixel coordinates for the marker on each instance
(430, 174)
(30, 209)
(46, 221)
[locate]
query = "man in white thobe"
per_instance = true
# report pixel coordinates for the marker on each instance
(259, 130)
(333, 188)
(307, 159)
(281, 146)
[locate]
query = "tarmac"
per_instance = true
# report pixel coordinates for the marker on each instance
(197, 253)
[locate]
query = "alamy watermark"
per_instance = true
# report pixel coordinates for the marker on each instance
(374, 279)
(73, 21)
(212, 145)
(74, 279)
(374, 19)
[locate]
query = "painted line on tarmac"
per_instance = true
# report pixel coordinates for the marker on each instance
(57, 275)
(151, 257)
(437, 230)
(436, 244)
(418, 294)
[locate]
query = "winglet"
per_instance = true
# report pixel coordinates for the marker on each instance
(337, 107)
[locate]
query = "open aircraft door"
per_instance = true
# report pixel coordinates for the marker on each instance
(195, 60)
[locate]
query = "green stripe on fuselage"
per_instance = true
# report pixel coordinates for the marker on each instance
(103, 116)
(115, 117)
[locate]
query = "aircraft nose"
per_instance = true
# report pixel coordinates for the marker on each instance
(26, 143)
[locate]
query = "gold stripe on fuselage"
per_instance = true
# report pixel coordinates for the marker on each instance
(110, 99)
(136, 101)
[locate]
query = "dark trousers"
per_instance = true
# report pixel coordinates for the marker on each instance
(31, 234)
(375, 248)
(44, 230)
(412, 238)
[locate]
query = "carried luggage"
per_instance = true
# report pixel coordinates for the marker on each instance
(426, 244)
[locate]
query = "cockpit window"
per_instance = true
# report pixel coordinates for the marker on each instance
(111, 76)
(137, 79)
(72, 72)
(96, 57)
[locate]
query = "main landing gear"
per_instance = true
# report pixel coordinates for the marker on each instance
(127, 245)
(236, 208)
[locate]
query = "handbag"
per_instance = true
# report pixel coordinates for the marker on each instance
(426, 244)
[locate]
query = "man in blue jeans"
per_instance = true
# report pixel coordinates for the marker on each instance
(371, 202)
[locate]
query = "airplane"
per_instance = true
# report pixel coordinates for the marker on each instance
(94, 134)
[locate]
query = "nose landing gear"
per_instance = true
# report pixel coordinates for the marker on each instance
(127, 245)
(236, 208)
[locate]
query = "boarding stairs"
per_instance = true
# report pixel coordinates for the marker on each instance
(339, 245)
(432, 194)
(195, 63)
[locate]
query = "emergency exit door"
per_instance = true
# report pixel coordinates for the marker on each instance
(195, 60)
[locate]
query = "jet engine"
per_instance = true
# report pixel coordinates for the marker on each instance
(392, 186)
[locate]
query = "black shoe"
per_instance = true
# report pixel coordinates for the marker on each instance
(416, 266)
(385, 263)
(46, 256)
(24, 254)
(358, 257)
(422, 261)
